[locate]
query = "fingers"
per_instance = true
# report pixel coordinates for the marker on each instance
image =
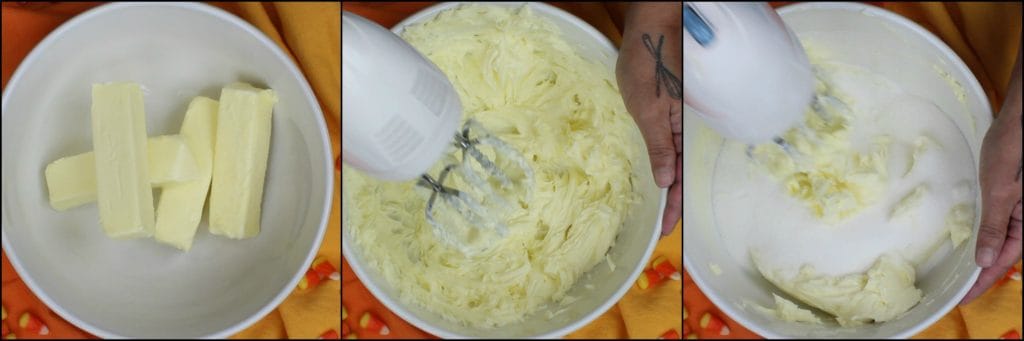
(674, 203)
(656, 129)
(1008, 255)
(995, 217)
(676, 120)
(988, 277)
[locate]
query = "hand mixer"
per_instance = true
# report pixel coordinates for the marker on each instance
(745, 73)
(401, 115)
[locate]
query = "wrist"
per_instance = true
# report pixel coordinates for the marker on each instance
(652, 16)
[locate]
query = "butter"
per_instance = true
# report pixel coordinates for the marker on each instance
(881, 294)
(715, 269)
(786, 310)
(909, 202)
(827, 175)
(170, 160)
(959, 221)
(921, 145)
(123, 191)
(71, 181)
(240, 160)
(181, 204)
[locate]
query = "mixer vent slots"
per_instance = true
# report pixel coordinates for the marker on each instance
(421, 90)
(399, 148)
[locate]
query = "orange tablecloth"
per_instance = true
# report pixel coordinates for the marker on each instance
(309, 32)
(640, 313)
(986, 36)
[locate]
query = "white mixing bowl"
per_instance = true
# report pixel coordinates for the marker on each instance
(632, 246)
(887, 44)
(141, 288)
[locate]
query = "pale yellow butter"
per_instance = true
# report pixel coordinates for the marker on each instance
(170, 160)
(882, 293)
(786, 310)
(240, 160)
(921, 145)
(71, 180)
(909, 202)
(181, 204)
(959, 221)
(123, 191)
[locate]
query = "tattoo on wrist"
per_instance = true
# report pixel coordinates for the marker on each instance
(662, 75)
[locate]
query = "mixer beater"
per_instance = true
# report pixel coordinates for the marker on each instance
(482, 203)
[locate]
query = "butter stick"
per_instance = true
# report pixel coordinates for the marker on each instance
(240, 160)
(123, 191)
(181, 204)
(71, 180)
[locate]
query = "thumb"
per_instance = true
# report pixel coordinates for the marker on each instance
(657, 133)
(995, 216)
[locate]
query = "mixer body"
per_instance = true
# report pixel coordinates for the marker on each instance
(400, 111)
(744, 72)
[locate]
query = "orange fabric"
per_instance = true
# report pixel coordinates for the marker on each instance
(309, 33)
(640, 313)
(986, 36)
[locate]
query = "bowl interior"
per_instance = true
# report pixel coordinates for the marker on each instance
(141, 288)
(886, 44)
(630, 252)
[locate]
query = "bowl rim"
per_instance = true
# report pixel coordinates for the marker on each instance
(972, 84)
(396, 307)
(229, 18)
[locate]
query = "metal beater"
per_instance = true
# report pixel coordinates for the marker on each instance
(484, 200)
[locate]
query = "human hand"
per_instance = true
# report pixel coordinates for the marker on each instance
(999, 238)
(647, 73)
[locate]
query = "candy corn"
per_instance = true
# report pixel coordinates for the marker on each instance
(649, 278)
(713, 324)
(371, 323)
(671, 334)
(344, 312)
(1010, 335)
(685, 313)
(666, 269)
(692, 336)
(351, 336)
(33, 324)
(344, 329)
(686, 329)
(330, 334)
(324, 269)
(311, 280)
(5, 314)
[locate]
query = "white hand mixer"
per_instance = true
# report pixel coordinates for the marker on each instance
(745, 73)
(401, 115)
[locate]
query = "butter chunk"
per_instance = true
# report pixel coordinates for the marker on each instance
(240, 160)
(123, 191)
(170, 160)
(959, 221)
(786, 310)
(71, 181)
(909, 202)
(181, 204)
(881, 294)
